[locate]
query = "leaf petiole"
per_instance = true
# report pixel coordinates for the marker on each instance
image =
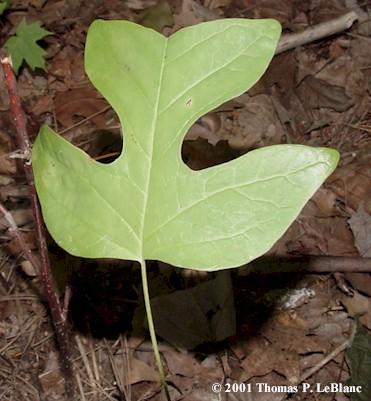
(151, 328)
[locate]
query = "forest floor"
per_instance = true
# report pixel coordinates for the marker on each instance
(243, 326)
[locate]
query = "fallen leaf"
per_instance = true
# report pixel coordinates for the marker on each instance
(140, 4)
(254, 125)
(312, 236)
(139, 370)
(181, 363)
(263, 358)
(358, 306)
(42, 105)
(360, 224)
(360, 281)
(204, 313)
(316, 93)
(193, 13)
(282, 10)
(81, 102)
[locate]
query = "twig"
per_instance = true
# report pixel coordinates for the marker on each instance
(23, 144)
(310, 264)
(319, 31)
(333, 354)
(84, 120)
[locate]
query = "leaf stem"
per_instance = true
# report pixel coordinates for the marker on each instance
(151, 328)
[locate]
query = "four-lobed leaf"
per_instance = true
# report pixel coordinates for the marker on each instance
(148, 204)
(23, 46)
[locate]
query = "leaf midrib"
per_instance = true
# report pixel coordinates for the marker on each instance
(150, 161)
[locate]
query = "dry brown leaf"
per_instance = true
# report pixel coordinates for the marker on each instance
(37, 3)
(360, 281)
(360, 51)
(330, 332)
(290, 319)
(345, 73)
(281, 10)
(263, 358)
(255, 125)
(358, 306)
(82, 102)
(29, 239)
(212, 4)
(325, 202)
(281, 73)
(323, 11)
(360, 224)
(68, 65)
(352, 183)
(193, 13)
(42, 105)
(139, 370)
(312, 236)
(181, 363)
(294, 340)
(207, 127)
(316, 93)
(140, 4)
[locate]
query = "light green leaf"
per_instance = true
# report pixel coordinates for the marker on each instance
(23, 46)
(4, 4)
(148, 204)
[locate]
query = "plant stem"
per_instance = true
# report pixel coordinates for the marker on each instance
(151, 328)
(23, 143)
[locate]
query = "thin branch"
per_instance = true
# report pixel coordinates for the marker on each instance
(332, 355)
(316, 32)
(310, 264)
(24, 147)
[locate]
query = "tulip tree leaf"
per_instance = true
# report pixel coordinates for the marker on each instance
(148, 204)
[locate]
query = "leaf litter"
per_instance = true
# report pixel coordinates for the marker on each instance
(318, 96)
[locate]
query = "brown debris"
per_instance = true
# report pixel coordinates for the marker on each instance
(287, 325)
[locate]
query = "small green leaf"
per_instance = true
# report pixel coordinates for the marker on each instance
(148, 204)
(23, 46)
(359, 360)
(4, 4)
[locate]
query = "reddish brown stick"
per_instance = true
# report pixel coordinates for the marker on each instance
(310, 264)
(24, 147)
